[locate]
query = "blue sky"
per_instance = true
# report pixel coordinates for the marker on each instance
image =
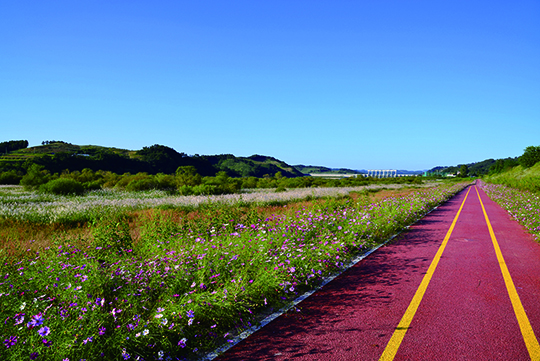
(356, 84)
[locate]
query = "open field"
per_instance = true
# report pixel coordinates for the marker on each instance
(40, 217)
(15, 203)
(182, 278)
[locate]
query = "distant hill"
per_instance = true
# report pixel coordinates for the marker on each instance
(254, 166)
(310, 169)
(57, 156)
(475, 169)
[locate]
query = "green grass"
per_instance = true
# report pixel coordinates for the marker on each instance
(518, 177)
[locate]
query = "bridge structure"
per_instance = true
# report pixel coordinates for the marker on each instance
(382, 173)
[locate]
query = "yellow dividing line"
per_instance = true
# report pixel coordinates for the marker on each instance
(526, 330)
(394, 343)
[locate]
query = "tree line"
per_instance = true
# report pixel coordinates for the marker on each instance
(184, 181)
(12, 145)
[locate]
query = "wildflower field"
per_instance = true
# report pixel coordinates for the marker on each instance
(182, 286)
(523, 205)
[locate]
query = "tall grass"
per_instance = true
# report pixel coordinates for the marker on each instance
(45, 208)
(527, 179)
(183, 287)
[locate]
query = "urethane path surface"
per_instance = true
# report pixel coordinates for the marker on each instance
(393, 306)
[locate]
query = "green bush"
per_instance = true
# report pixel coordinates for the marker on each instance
(187, 176)
(89, 186)
(141, 185)
(206, 189)
(63, 186)
(35, 177)
(165, 181)
(10, 177)
(185, 190)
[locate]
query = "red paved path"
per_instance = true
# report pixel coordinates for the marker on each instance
(465, 314)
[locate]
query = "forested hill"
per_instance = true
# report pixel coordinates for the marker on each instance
(254, 166)
(479, 168)
(57, 156)
(308, 169)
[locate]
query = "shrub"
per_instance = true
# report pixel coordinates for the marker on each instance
(10, 177)
(35, 177)
(187, 176)
(206, 189)
(63, 186)
(89, 186)
(165, 181)
(185, 190)
(141, 185)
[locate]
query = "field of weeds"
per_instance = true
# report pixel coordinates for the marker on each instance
(180, 279)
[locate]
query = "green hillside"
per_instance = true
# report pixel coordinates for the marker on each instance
(254, 166)
(475, 169)
(518, 177)
(58, 156)
(521, 173)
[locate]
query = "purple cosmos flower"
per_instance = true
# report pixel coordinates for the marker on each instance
(36, 320)
(34, 355)
(10, 341)
(64, 313)
(89, 339)
(102, 331)
(47, 343)
(190, 314)
(19, 318)
(182, 343)
(115, 312)
(44, 331)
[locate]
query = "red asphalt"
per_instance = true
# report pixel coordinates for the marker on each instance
(465, 314)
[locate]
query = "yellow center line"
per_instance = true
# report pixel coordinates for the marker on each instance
(526, 330)
(394, 343)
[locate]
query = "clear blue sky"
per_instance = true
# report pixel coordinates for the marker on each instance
(359, 84)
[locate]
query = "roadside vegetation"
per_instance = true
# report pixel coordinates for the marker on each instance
(149, 275)
(522, 205)
(515, 186)
(518, 177)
